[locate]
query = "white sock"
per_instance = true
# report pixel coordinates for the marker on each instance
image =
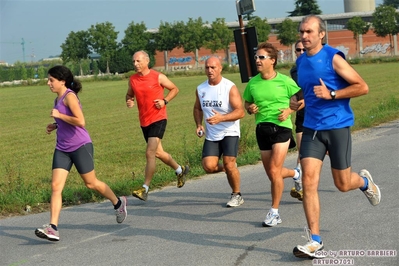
(146, 188)
(298, 166)
(296, 175)
(178, 170)
(274, 211)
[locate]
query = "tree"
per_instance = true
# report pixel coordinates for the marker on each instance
(385, 22)
(30, 72)
(394, 3)
(358, 26)
(193, 37)
(75, 48)
(11, 74)
(263, 28)
(305, 7)
(288, 34)
(218, 37)
(120, 62)
(41, 71)
(103, 40)
(168, 38)
(248, 17)
(18, 70)
(94, 67)
(4, 74)
(136, 38)
(24, 72)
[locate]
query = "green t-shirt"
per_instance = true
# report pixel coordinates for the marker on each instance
(270, 96)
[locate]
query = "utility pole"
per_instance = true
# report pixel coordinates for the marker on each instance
(23, 49)
(32, 56)
(244, 37)
(246, 40)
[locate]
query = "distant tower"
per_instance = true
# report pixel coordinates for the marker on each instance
(359, 5)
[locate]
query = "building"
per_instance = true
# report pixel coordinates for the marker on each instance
(337, 36)
(359, 5)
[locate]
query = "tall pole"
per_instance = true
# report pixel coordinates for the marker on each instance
(244, 41)
(23, 49)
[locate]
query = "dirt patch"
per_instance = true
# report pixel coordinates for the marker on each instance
(43, 207)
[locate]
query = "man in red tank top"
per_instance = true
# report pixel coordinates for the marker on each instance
(147, 88)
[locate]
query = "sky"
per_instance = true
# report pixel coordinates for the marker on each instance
(43, 25)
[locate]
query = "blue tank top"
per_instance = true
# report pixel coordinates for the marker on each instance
(69, 137)
(323, 114)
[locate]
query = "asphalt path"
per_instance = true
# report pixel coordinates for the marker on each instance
(192, 226)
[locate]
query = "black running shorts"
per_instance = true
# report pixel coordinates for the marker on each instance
(268, 134)
(155, 130)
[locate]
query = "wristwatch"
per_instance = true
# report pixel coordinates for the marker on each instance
(165, 101)
(333, 94)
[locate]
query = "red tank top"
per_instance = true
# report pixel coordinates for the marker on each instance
(146, 89)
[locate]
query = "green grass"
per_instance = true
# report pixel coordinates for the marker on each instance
(26, 150)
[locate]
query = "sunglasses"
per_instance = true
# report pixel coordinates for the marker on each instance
(261, 57)
(300, 49)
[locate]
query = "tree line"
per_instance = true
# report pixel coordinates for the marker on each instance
(116, 57)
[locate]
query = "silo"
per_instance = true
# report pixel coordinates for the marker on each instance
(359, 5)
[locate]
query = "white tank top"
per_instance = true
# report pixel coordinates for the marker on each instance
(217, 98)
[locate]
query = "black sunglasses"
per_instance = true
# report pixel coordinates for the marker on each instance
(300, 49)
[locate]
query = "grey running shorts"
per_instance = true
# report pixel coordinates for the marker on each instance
(227, 146)
(338, 143)
(82, 158)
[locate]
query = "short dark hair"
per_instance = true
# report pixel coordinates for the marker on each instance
(270, 49)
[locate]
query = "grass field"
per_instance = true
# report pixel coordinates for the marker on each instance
(26, 150)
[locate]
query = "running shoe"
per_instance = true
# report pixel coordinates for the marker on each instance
(296, 191)
(181, 178)
(312, 249)
(235, 200)
(372, 192)
(47, 232)
(121, 212)
(298, 194)
(140, 194)
(272, 219)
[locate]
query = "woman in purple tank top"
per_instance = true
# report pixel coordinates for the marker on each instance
(74, 147)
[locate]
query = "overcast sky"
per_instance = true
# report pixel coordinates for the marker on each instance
(44, 25)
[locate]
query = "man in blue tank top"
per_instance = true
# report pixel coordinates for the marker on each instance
(328, 82)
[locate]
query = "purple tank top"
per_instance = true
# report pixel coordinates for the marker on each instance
(69, 137)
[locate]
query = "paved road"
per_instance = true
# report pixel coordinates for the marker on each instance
(191, 226)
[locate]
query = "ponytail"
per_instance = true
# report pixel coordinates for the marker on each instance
(63, 73)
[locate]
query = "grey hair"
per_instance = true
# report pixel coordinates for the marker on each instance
(144, 53)
(322, 25)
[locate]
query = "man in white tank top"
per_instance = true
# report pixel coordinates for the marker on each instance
(219, 104)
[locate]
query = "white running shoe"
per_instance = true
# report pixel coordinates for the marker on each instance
(121, 212)
(372, 192)
(272, 219)
(235, 200)
(312, 249)
(296, 191)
